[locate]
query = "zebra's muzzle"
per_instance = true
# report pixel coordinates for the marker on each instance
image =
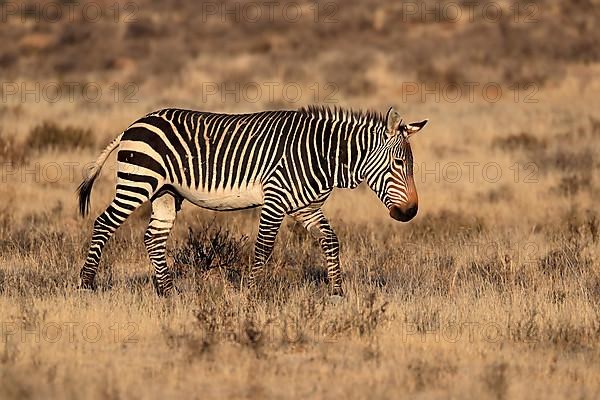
(404, 214)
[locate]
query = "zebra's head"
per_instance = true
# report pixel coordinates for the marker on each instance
(390, 169)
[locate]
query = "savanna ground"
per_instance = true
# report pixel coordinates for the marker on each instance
(492, 291)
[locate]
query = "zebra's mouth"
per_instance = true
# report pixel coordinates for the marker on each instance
(404, 214)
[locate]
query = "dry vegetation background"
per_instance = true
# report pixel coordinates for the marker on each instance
(493, 291)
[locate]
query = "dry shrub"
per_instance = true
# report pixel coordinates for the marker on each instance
(11, 151)
(74, 34)
(495, 380)
(217, 323)
(524, 329)
(520, 141)
(8, 59)
(444, 75)
(427, 375)
(570, 253)
(424, 319)
(570, 185)
(49, 135)
(312, 321)
(567, 258)
(566, 160)
(594, 127)
(574, 224)
(193, 345)
(592, 288)
(584, 224)
(571, 337)
(502, 194)
(488, 271)
(145, 28)
(50, 280)
(418, 273)
(564, 334)
(366, 319)
(207, 248)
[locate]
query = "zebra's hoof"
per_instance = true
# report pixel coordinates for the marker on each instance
(335, 298)
(163, 289)
(253, 288)
(164, 292)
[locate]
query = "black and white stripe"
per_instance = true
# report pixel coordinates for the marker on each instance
(288, 162)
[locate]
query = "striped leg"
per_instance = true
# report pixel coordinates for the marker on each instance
(271, 217)
(315, 222)
(104, 226)
(164, 211)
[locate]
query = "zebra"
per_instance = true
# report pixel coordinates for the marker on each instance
(287, 162)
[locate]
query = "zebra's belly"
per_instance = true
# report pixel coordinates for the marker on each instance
(225, 199)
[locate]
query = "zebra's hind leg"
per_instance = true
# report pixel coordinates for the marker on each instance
(164, 211)
(105, 225)
(315, 222)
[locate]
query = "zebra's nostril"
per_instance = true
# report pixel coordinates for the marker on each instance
(404, 214)
(412, 211)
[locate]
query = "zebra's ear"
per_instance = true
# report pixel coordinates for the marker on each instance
(393, 122)
(413, 127)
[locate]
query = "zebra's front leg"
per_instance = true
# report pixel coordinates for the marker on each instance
(271, 217)
(164, 211)
(315, 222)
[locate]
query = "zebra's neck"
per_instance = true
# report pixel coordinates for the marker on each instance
(349, 138)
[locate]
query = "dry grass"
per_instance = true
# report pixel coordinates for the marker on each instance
(493, 291)
(49, 135)
(488, 323)
(451, 304)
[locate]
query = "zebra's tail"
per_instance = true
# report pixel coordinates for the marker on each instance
(84, 190)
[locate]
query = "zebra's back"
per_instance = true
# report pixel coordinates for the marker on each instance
(217, 161)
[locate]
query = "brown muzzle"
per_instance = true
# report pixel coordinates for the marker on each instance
(406, 210)
(404, 213)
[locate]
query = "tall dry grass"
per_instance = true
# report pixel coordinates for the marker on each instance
(487, 296)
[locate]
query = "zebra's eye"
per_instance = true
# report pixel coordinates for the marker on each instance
(399, 162)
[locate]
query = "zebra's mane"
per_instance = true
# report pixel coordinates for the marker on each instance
(343, 114)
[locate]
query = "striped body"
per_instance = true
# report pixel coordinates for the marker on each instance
(286, 161)
(226, 162)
